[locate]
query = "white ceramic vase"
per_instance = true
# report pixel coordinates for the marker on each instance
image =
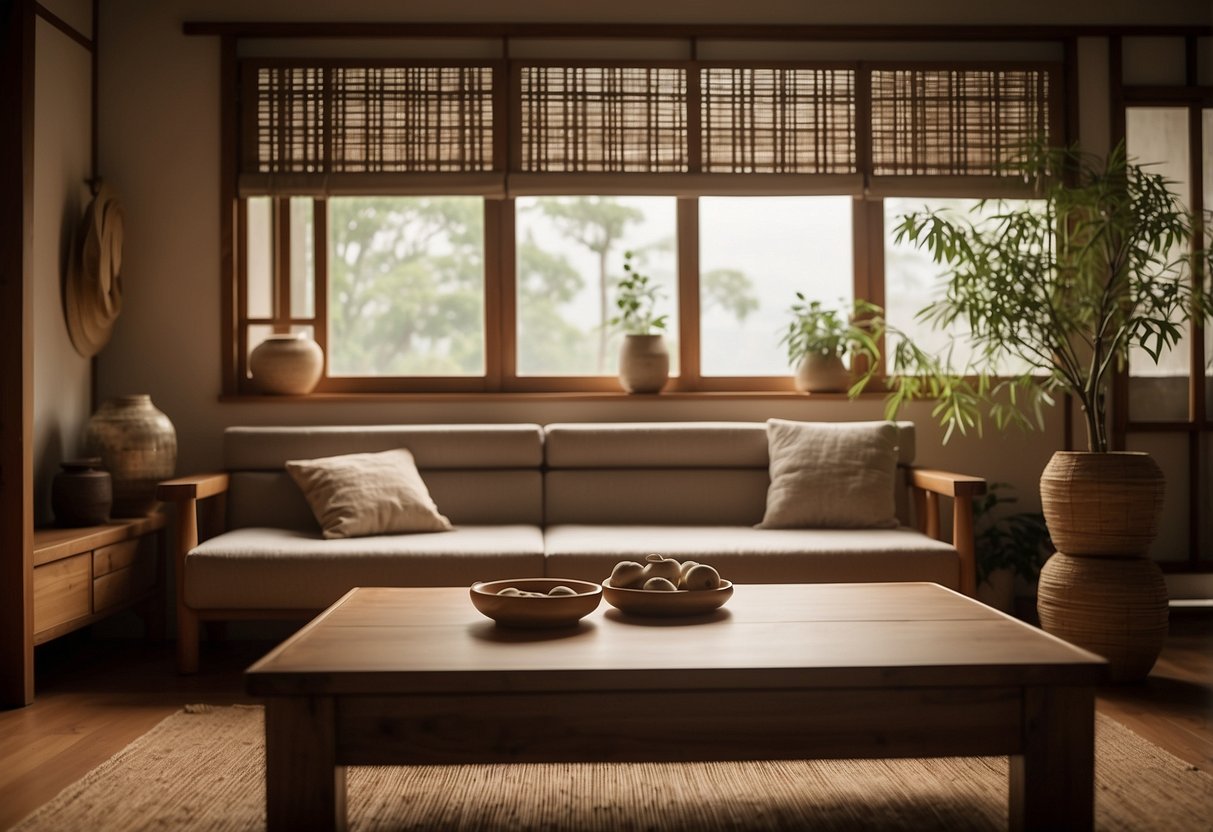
(288, 364)
(644, 363)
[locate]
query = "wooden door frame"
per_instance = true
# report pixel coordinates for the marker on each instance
(16, 354)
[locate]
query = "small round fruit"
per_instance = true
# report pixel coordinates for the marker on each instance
(660, 585)
(687, 565)
(561, 590)
(702, 577)
(626, 573)
(510, 590)
(659, 566)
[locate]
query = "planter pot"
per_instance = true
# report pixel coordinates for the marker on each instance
(286, 364)
(82, 493)
(1102, 504)
(819, 373)
(644, 363)
(138, 446)
(1116, 607)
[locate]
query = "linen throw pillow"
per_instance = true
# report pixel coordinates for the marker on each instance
(831, 475)
(356, 495)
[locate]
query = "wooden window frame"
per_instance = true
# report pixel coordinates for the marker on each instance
(500, 284)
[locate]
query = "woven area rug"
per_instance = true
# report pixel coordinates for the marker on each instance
(203, 768)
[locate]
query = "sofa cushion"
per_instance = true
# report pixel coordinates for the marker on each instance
(433, 446)
(355, 495)
(262, 568)
(759, 556)
(708, 496)
(832, 475)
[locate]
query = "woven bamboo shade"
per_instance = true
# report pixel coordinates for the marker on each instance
(778, 120)
(1116, 607)
(955, 122)
(346, 118)
(600, 119)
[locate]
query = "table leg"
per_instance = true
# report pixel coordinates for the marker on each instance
(1053, 779)
(304, 787)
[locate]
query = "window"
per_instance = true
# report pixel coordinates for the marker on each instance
(570, 256)
(755, 254)
(460, 225)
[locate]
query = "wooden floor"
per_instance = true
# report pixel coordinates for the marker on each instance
(95, 697)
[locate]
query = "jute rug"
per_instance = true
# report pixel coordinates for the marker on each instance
(203, 768)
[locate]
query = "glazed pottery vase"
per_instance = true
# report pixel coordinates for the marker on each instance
(287, 364)
(82, 493)
(818, 373)
(1101, 591)
(138, 446)
(644, 363)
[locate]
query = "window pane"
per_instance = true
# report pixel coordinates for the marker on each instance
(755, 254)
(570, 259)
(913, 280)
(259, 256)
(406, 286)
(303, 252)
(1157, 139)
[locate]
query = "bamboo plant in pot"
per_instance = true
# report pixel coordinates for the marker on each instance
(1066, 286)
(644, 360)
(819, 338)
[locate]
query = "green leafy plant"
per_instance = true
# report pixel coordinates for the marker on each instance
(816, 329)
(636, 299)
(1067, 286)
(1018, 542)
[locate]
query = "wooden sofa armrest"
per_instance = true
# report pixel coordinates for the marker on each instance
(927, 485)
(186, 492)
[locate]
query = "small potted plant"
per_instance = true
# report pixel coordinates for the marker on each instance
(644, 361)
(1008, 546)
(818, 338)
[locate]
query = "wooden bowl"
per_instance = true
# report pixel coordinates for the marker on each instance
(536, 613)
(667, 604)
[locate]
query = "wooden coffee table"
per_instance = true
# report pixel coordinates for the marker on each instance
(407, 676)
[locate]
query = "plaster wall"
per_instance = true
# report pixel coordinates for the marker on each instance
(159, 143)
(62, 164)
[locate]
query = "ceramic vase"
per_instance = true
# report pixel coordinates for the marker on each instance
(138, 446)
(644, 363)
(818, 373)
(289, 364)
(82, 493)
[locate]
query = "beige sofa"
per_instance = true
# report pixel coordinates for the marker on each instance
(567, 500)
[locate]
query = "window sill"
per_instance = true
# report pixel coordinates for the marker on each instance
(341, 398)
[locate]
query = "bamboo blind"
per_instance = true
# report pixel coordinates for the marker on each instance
(955, 122)
(778, 120)
(600, 119)
(339, 119)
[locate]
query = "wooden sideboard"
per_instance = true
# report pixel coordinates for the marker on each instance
(85, 574)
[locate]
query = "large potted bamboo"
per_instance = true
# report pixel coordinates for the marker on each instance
(1066, 286)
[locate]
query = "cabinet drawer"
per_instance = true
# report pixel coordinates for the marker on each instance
(61, 591)
(121, 585)
(107, 559)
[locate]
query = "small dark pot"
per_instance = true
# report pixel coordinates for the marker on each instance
(82, 493)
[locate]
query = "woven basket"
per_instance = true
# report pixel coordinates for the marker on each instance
(1116, 607)
(1102, 504)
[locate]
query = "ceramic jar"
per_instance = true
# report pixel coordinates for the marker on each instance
(138, 446)
(819, 373)
(288, 364)
(82, 493)
(644, 363)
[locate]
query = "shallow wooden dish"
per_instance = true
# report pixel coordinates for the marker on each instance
(536, 613)
(667, 604)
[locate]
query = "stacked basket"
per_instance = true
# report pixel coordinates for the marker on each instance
(1101, 591)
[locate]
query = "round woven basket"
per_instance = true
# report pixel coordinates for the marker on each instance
(1116, 607)
(1102, 504)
